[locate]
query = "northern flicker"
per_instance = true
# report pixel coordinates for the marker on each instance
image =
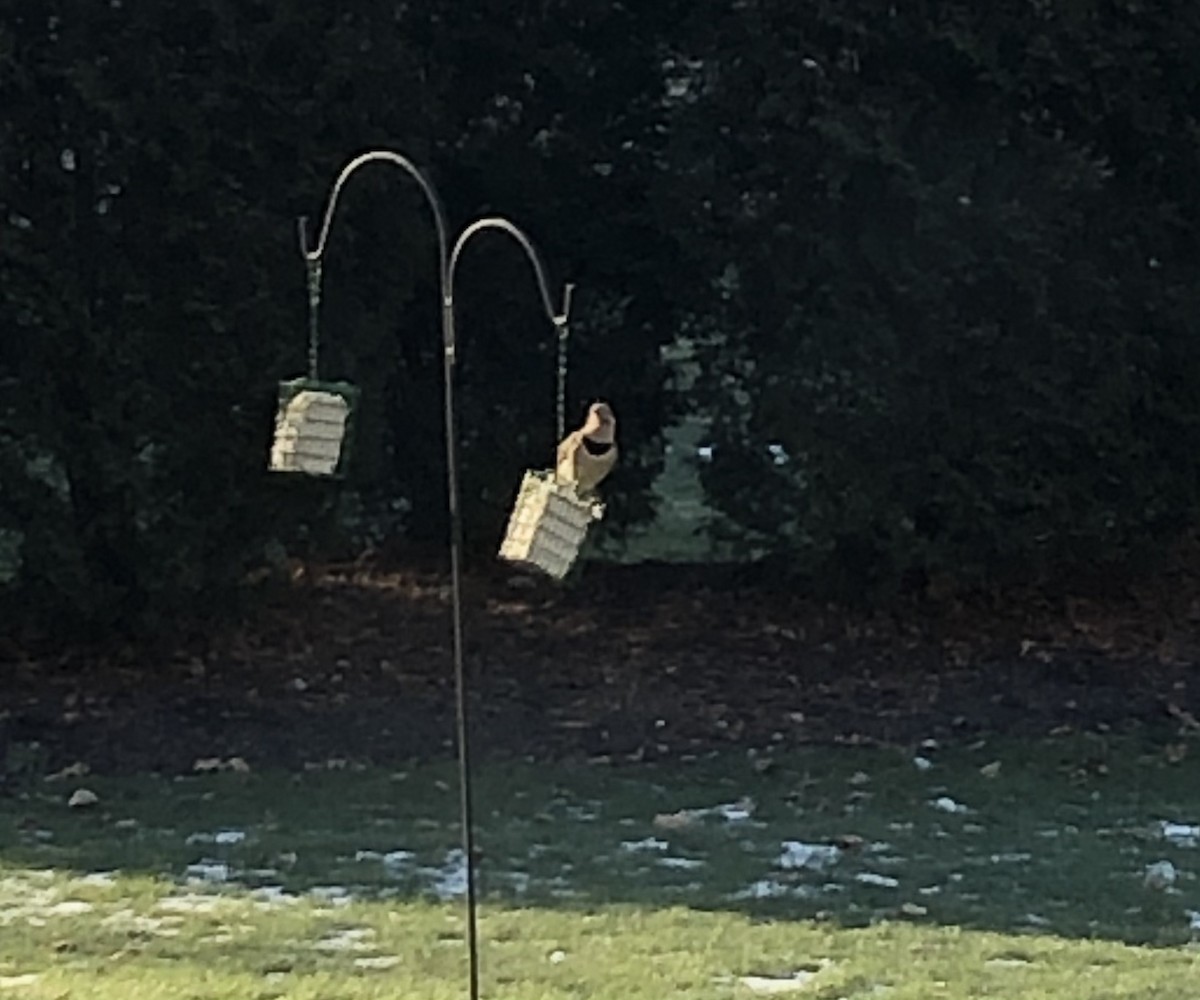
(587, 455)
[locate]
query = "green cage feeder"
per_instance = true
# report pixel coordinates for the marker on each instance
(313, 426)
(548, 524)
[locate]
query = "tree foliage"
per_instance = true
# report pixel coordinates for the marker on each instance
(953, 251)
(941, 257)
(154, 159)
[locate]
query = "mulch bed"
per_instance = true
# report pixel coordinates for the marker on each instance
(350, 664)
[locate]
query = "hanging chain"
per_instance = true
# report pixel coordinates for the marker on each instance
(313, 265)
(564, 331)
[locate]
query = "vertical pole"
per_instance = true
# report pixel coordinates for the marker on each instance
(460, 679)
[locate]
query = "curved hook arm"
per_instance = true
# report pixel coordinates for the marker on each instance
(386, 155)
(559, 318)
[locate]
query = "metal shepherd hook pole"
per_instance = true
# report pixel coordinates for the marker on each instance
(447, 263)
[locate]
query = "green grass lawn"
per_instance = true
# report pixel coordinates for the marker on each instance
(1024, 881)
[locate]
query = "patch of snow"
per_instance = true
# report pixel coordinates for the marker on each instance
(647, 844)
(1160, 875)
(776, 985)
(685, 864)
(209, 871)
(948, 805)
(815, 857)
(377, 962)
(272, 895)
(334, 895)
(769, 888)
(348, 939)
(734, 812)
(18, 982)
(449, 881)
(389, 859)
(1180, 834)
(190, 903)
(225, 838)
(519, 881)
(873, 878)
(67, 908)
(1011, 858)
(581, 814)
(922, 763)
(82, 798)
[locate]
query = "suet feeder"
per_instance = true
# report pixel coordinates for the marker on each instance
(548, 524)
(313, 427)
(550, 519)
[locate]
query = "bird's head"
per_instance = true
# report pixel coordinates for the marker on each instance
(601, 421)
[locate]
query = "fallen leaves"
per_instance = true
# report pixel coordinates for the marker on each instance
(1188, 724)
(740, 811)
(681, 820)
(1175, 753)
(76, 770)
(211, 765)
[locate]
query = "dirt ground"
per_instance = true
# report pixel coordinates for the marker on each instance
(349, 665)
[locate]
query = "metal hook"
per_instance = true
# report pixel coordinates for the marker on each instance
(302, 233)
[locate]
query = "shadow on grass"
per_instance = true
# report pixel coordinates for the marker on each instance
(1043, 837)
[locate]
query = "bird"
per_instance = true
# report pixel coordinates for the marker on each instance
(587, 455)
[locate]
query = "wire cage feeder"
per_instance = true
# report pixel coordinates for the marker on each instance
(550, 518)
(314, 421)
(548, 524)
(313, 427)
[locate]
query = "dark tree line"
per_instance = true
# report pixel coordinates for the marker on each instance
(955, 252)
(943, 256)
